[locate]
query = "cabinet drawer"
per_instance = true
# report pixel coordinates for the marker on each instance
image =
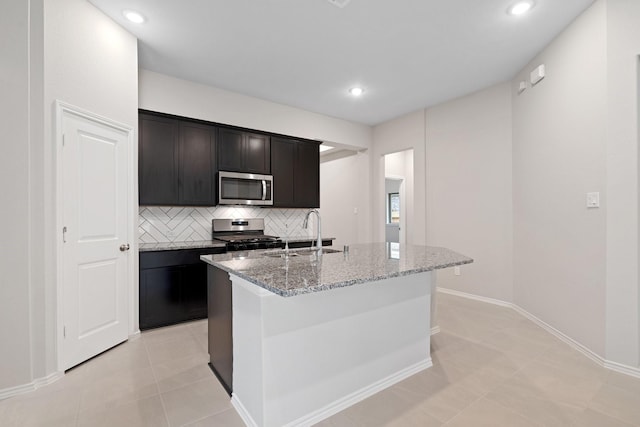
(155, 259)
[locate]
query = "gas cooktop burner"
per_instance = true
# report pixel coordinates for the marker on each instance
(246, 237)
(243, 234)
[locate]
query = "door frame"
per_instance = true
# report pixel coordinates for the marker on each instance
(380, 203)
(62, 109)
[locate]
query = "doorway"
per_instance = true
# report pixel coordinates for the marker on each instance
(398, 196)
(394, 189)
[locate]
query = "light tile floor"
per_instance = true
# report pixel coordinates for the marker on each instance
(492, 367)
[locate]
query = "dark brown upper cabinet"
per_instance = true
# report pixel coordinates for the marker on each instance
(197, 165)
(241, 151)
(295, 166)
(158, 160)
(177, 162)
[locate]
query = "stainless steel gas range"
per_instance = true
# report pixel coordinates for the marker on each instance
(243, 234)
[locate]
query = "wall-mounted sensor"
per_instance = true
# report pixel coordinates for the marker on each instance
(522, 86)
(537, 74)
(593, 200)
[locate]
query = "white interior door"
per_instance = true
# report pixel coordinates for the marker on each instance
(94, 162)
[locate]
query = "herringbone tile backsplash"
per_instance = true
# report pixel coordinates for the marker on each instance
(161, 224)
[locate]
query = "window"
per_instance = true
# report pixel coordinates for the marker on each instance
(393, 215)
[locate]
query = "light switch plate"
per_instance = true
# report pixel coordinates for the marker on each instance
(456, 270)
(593, 200)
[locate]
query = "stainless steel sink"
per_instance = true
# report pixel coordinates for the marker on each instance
(281, 253)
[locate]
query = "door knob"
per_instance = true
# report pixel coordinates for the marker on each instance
(124, 248)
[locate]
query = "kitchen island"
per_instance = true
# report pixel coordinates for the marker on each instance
(314, 334)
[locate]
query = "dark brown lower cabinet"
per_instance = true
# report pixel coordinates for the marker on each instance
(173, 287)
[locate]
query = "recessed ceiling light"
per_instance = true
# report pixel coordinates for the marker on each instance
(521, 8)
(340, 3)
(134, 16)
(356, 91)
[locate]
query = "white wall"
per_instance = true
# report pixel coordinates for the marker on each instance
(344, 187)
(469, 203)
(92, 63)
(171, 95)
(16, 81)
(559, 154)
(623, 77)
(59, 49)
(403, 133)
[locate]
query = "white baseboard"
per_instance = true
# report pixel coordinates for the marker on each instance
(623, 369)
(359, 395)
(33, 385)
(342, 403)
(561, 336)
(475, 297)
(242, 411)
(614, 366)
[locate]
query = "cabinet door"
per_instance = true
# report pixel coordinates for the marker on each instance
(230, 150)
(283, 156)
(160, 296)
(158, 161)
(194, 291)
(197, 165)
(307, 175)
(257, 157)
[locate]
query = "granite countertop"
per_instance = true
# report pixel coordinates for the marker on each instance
(308, 273)
(169, 246)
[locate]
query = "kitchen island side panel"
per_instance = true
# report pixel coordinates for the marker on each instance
(299, 360)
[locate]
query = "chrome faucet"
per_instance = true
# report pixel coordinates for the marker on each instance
(305, 224)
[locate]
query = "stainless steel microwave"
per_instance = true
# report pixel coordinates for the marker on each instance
(245, 189)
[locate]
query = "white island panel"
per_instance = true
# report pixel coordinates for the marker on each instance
(299, 360)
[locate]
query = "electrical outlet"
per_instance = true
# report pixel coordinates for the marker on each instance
(171, 234)
(456, 271)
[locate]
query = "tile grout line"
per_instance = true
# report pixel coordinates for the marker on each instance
(486, 394)
(605, 383)
(191, 329)
(155, 378)
(533, 360)
(77, 423)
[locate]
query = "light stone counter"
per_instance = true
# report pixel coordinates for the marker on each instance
(306, 272)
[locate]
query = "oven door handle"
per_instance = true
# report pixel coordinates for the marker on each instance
(264, 189)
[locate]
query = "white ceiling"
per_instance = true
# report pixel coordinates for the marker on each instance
(407, 54)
